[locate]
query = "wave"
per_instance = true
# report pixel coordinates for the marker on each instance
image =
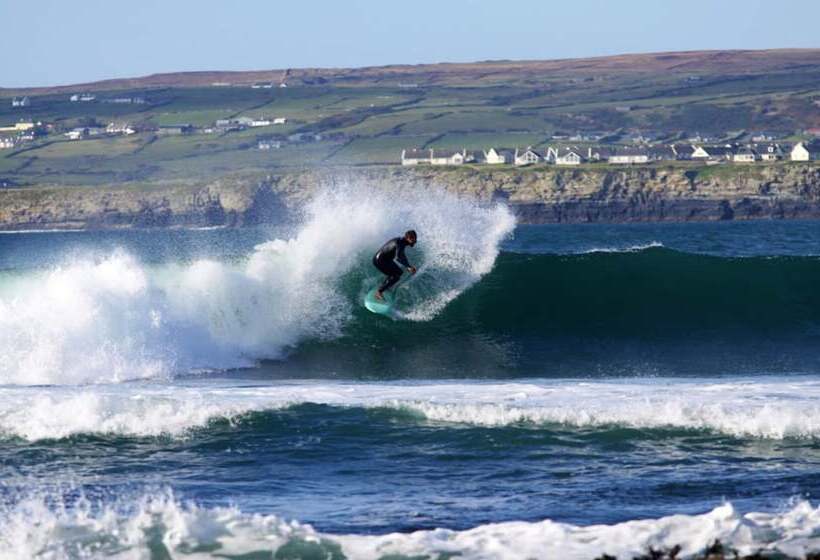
(95, 320)
(752, 408)
(158, 525)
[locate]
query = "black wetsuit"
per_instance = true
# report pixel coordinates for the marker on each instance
(384, 259)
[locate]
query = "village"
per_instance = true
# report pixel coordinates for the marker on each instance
(617, 155)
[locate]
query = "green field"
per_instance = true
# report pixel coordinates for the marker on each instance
(369, 121)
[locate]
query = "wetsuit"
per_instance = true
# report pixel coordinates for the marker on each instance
(384, 259)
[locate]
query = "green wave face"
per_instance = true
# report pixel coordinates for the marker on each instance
(654, 311)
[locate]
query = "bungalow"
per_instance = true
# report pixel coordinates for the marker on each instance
(661, 153)
(416, 156)
(448, 157)
(280, 120)
(82, 97)
(769, 152)
(745, 155)
(526, 157)
(568, 156)
(6, 143)
(806, 151)
(20, 102)
(629, 156)
(260, 122)
(498, 156)
(21, 126)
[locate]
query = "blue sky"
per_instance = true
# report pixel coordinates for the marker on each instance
(68, 41)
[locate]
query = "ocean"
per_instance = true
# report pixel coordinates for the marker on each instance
(558, 391)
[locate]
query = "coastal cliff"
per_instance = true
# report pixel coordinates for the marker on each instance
(536, 195)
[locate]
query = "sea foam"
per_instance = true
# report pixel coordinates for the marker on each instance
(158, 525)
(101, 320)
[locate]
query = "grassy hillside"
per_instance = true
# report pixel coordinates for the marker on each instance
(366, 116)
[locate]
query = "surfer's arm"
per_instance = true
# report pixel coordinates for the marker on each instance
(402, 258)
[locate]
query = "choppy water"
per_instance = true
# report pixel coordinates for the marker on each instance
(544, 391)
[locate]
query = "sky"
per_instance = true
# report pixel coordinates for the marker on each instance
(54, 42)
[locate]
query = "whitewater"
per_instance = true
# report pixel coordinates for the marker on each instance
(543, 392)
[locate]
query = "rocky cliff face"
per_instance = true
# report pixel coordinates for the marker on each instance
(537, 195)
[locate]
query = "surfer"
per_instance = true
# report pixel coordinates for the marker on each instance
(385, 259)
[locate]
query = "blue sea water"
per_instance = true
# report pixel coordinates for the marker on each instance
(556, 391)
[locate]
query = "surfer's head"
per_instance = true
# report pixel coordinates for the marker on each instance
(410, 237)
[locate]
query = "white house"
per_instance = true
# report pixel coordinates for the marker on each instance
(269, 144)
(416, 156)
(20, 102)
(6, 143)
(448, 157)
(260, 122)
(526, 157)
(745, 155)
(280, 120)
(629, 156)
(806, 151)
(498, 156)
(568, 156)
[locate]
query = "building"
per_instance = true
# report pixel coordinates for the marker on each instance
(598, 153)
(629, 156)
(260, 122)
(175, 130)
(21, 126)
(84, 97)
(806, 151)
(6, 143)
(448, 157)
(568, 156)
(498, 156)
(119, 128)
(21, 102)
(280, 120)
(683, 152)
(714, 153)
(262, 85)
(77, 133)
(416, 156)
(769, 152)
(526, 157)
(745, 155)
(661, 153)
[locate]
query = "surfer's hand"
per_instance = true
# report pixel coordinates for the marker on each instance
(411, 269)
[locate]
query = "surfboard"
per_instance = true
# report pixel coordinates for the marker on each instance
(380, 307)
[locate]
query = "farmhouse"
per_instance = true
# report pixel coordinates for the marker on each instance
(526, 157)
(496, 156)
(806, 151)
(119, 128)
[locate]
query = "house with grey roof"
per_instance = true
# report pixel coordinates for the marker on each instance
(683, 152)
(527, 156)
(629, 156)
(714, 153)
(416, 156)
(745, 155)
(448, 157)
(770, 151)
(568, 156)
